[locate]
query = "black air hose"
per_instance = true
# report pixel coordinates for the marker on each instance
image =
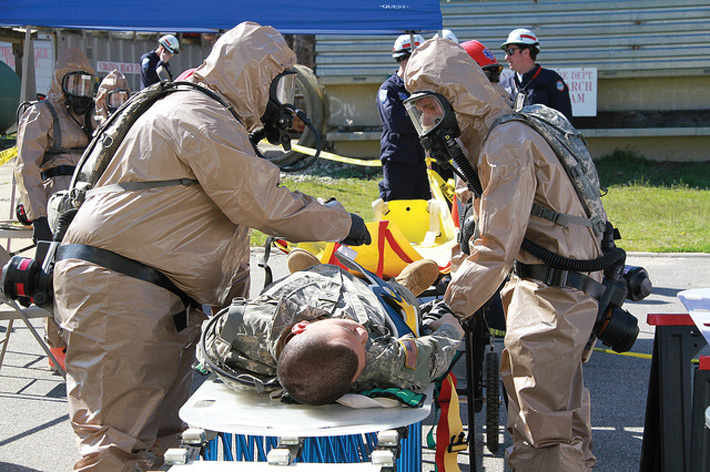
(461, 161)
(63, 223)
(576, 265)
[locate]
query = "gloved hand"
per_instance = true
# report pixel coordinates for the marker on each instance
(40, 230)
(358, 234)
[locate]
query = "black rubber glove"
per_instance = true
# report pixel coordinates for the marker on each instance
(358, 234)
(40, 230)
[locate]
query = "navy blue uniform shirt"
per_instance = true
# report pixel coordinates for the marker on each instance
(402, 156)
(542, 86)
(150, 61)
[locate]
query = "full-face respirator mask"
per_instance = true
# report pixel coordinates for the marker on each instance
(116, 98)
(280, 113)
(79, 89)
(435, 121)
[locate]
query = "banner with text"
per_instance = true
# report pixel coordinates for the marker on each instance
(104, 67)
(582, 83)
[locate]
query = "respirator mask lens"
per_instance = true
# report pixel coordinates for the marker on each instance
(426, 112)
(116, 98)
(80, 84)
(283, 88)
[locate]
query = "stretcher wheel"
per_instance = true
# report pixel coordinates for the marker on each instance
(492, 401)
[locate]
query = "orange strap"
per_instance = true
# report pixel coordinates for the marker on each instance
(450, 438)
(381, 235)
(455, 212)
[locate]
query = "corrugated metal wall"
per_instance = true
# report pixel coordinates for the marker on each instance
(129, 47)
(621, 38)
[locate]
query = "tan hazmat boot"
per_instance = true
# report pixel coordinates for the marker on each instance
(300, 259)
(418, 276)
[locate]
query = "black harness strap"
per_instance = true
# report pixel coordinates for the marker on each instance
(123, 265)
(559, 278)
(57, 171)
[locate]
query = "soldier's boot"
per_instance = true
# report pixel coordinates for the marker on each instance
(300, 259)
(419, 275)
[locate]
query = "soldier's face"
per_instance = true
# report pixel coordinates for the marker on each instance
(340, 332)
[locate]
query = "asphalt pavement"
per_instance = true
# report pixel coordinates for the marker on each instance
(35, 433)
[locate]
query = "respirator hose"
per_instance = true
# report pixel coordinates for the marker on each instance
(63, 223)
(310, 160)
(461, 161)
(557, 261)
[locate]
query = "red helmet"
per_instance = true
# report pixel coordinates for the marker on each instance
(484, 58)
(479, 53)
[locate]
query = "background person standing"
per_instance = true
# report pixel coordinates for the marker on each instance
(404, 171)
(51, 136)
(168, 46)
(531, 84)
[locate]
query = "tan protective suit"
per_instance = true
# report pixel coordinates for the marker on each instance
(114, 80)
(547, 327)
(128, 368)
(35, 136)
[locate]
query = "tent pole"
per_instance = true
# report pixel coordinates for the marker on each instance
(27, 48)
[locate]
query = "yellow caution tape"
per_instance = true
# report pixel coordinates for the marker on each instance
(499, 333)
(334, 157)
(627, 354)
(8, 154)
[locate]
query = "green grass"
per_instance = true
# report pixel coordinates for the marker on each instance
(657, 206)
(355, 193)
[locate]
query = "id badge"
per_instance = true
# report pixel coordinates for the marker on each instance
(520, 101)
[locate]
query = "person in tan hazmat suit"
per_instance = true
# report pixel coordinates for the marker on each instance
(129, 354)
(548, 326)
(113, 92)
(51, 136)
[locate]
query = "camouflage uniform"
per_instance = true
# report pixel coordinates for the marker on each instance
(251, 339)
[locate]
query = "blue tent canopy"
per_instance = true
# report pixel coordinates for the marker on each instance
(289, 17)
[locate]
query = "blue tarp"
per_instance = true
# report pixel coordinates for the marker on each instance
(289, 17)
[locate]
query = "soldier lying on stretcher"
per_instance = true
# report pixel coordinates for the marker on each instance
(324, 333)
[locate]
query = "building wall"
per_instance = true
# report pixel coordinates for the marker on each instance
(652, 57)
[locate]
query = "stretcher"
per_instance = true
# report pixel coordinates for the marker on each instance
(408, 230)
(277, 433)
(327, 433)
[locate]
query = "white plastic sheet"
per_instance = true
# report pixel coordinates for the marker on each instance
(697, 302)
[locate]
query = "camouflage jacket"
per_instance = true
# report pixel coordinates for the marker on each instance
(248, 339)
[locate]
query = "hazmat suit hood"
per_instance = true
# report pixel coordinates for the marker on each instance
(242, 65)
(443, 67)
(70, 60)
(114, 80)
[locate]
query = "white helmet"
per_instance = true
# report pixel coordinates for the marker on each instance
(521, 36)
(170, 43)
(402, 45)
(446, 34)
